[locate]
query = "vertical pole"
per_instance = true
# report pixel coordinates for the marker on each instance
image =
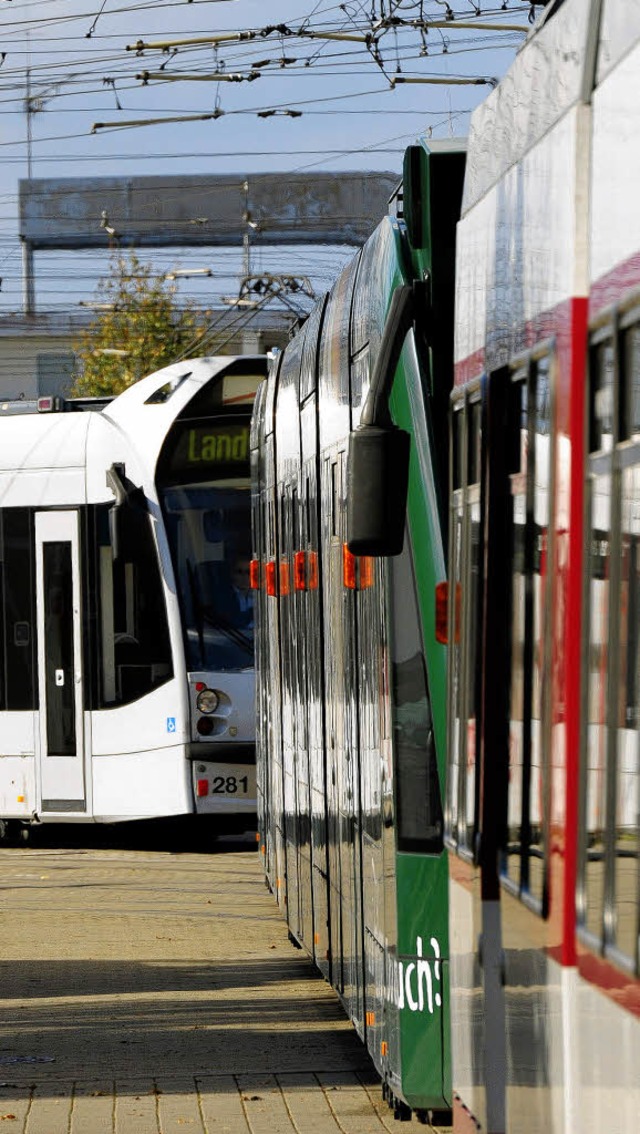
(246, 247)
(28, 288)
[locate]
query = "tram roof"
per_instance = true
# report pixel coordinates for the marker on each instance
(138, 419)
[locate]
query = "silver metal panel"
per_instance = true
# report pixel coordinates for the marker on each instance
(544, 81)
(183, 211)
(620, 32)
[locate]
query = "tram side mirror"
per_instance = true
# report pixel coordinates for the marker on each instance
(377, 483)
(127, 517)
(126, 527)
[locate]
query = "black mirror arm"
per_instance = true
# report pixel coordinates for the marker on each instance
(399, 321)
(124, 490)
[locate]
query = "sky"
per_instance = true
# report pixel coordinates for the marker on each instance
(74, 64)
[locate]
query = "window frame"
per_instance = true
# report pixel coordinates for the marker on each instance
(624, 453)
(460, 628)
(524, 368)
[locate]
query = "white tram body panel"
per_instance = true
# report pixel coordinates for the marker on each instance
(144, 758)
(550, 222)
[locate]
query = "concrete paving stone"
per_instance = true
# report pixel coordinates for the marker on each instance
(93, 1110)
(307, 1104)
(14, 1103)
(350, 1103)
(178, 1106)
(220, 1105)
(50, 1109)
(136, 1109)
(264, 1105)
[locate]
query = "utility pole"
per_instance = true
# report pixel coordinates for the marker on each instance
(246, 244)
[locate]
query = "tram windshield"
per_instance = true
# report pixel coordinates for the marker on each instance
(205, 495)
(207, 527)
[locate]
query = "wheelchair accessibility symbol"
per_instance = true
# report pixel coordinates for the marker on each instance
(171, 724)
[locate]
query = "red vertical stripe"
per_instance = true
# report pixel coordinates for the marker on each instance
(572, 637)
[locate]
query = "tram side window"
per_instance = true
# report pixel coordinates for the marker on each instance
(133, 647)
(420, 825)
(18, 689)
(608, 894)
(530, 439)
(631, 399)
(465, 572)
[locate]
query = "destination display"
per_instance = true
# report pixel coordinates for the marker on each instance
(210, 446)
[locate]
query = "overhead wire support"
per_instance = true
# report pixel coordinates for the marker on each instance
(176, 76)
(365, 37)
(217, 113)
(197, 41)
(488, 82)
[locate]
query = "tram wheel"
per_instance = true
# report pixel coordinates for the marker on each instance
(401, 1112)
(441, 1117)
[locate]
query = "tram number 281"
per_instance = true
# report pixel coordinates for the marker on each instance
(229, 785)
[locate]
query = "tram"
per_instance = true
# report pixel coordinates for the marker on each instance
(351, 681)
(126, 620)
(543, 785)
(512, 609)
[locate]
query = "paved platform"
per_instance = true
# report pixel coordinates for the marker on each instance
(148, 991)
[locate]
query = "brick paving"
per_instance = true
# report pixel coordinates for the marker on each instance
(148, 991)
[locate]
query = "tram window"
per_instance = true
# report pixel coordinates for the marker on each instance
(531, 443)
(520, 670)
(457, 452)
(474, 434)
(601, 414)
(608, 906)
(135, 651)
(627, 755)
(335, 498)
(465, 573)
(631, 391)
(417, 787)
(17, 611)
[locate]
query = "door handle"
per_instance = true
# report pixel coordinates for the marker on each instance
(59, 676)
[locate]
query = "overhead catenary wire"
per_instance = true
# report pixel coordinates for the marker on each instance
(85, 68)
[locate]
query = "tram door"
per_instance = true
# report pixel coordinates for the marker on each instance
(61, 738)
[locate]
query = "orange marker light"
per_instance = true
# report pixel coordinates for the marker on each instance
(312, 581)
(300, 571)
(284, 577)
(384, 1048)
(442, 613)
(270, 577)
(366, 572)
(254, 574)
(348, 568)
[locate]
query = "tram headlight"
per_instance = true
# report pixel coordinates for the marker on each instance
(207, 701)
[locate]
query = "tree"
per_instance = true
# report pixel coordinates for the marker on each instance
(140, 329)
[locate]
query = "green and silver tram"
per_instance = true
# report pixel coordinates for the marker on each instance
(351, 679)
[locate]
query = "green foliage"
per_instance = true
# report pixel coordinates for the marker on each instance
(141, 324)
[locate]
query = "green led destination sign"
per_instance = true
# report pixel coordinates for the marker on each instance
(210, 446)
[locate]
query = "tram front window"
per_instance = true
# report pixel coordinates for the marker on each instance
(208, 529)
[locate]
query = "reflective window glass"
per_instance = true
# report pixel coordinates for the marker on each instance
(456, 736)
(602, 407)
(418, 801)
(597, 693)
(626, 834)
(631, 355)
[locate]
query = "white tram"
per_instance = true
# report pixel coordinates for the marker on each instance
(126, 628)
